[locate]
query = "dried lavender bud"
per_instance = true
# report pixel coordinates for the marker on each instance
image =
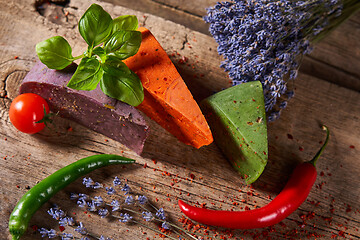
(66, 221)
(103, 238)
(88, 182)
(56, 213)
(126, 188)
(74, 196)
(147, 216)
(91, 206)
(165, 225)
(83, 196)
(98, 201)
(48, 233)
(116, 181)
(110, 190)
(161, 214)
(81, 229)
(115, 205)
(129, 200)
(103, 212)
(142, 199)
(125, 217)
(81, 203)
(67, 236)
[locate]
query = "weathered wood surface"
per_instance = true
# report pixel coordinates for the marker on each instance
(327, 91)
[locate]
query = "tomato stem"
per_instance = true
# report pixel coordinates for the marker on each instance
(47, 118)
(318, 154)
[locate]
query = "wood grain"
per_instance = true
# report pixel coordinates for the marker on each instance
(176, 171)
(335, 59)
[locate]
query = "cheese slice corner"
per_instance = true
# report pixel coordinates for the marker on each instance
(167, 100)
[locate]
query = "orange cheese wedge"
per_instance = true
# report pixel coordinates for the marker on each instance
(167, 100)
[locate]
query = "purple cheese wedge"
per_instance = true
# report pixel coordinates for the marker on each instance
(92, 109)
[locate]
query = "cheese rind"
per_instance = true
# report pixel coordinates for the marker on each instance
(238, 122)
(93, 109)
(167, 100)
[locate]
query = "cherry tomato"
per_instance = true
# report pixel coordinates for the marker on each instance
(26, 110)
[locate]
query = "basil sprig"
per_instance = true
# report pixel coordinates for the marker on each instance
(109, 42)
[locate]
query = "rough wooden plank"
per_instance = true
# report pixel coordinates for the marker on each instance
(335, 59)
(175, 170)
(184, 12)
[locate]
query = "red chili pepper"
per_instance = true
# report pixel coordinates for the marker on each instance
(291, 197)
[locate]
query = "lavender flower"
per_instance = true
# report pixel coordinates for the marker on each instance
(92, 206)
(89, 183)
(116, 181)
(165, 225)
(110, 190)
(48, 233)
(67, 236)
(66, 221)
(161, 214)
(126, 188)
(81, 229)
(147, 216)
(56, 213)
(142, 199)
(83, 196)
(265, 40)
(103, 212)
(125, 217)
(81, 203)
(129, 200)
(103, 238)
(115, 205)
(98, 201)
(74, 196)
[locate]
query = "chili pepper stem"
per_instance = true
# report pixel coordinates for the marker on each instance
(318, 154)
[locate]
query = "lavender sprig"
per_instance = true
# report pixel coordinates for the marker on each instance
(64, 221)
(127, 211)
(265, 40)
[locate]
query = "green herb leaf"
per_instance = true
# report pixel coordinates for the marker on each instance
(95, 25)
(125, 22)
(87, 75)
(123, 44)
(99, 51)
(55, 52)
(119, 82)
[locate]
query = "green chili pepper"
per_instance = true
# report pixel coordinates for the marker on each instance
(44, 190)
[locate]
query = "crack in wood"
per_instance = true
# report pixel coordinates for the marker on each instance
(3, 92)
(176, 8)
(184, 42)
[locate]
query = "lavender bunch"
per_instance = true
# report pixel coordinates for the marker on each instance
(65, 220)
(265, 40)
(128, 207)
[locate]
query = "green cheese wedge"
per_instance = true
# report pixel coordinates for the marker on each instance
(237, 119)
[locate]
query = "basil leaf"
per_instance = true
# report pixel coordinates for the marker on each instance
(125, 22)
(116, 63)
(123, 43)
(95, 25)
(101, 53)
(55, 53)
(87, 75)
(121, 83)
